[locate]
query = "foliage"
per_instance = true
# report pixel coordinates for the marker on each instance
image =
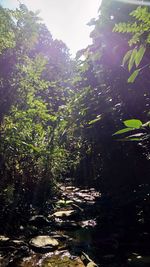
(7, 39)
(110, 100)
(32, 135)
(140, 37)
(133, 57)
(37, 128)
(57, 114)
(138, 28)
(132, 126)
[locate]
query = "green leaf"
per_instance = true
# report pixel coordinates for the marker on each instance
(65, 202)
(126, 139)
(125, 130)
(37, 149)
(139, 55)
(133, 76)
(95, 120)
(126, 57)
(132, 59)
(136, 124)
(134, 139)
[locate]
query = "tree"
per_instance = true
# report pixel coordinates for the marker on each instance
(110, 100)
(7, 30)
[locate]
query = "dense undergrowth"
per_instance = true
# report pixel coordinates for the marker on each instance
(58, 115)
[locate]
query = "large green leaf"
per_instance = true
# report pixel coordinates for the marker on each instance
(125, 130)
(132, 59)
(126, 57)
(136, 124)
(139, 55)
(133, 76)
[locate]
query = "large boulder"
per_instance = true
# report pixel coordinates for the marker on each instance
(43, 243)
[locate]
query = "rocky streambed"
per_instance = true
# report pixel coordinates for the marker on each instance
(54, 239)
(80, 229)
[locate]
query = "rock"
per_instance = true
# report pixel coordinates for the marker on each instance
(70, 188)
(43, 243)
(53, 259)
(85, 196)
(4, 261)
(4, 242)
(63, 253)
(66, 225)
(61, 238)
(91, 264)
(16, 242)
(138, 261)
(39, 221)
(88, 223)
(63, 213)
(3, 238)
(65, 261)
(77, 200)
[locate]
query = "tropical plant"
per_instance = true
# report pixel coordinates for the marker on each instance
(139, 39)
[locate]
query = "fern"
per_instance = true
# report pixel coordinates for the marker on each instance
(137, 28)
(140, 38)
(141, 14)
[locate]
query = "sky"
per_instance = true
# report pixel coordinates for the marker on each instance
(66, 19)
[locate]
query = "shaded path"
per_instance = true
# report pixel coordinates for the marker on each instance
(80, 229)
(68, 223)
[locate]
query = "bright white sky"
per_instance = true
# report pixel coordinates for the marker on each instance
(66, 19)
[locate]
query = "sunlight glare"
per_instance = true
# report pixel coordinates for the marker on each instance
(67, 19)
